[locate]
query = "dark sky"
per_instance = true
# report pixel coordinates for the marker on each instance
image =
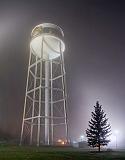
(94, 58)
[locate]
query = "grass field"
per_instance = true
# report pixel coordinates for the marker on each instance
(56, 153)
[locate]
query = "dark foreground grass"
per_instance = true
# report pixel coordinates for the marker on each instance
(55, 153)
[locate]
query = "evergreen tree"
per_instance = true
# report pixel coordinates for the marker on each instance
(98, 130)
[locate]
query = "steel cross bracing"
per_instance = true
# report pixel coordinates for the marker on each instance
(45, 112)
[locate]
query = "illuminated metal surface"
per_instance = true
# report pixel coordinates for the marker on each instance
(45, 116)
(52, 36)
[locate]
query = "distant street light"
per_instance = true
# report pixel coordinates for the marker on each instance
(81, 138)
(116, 132)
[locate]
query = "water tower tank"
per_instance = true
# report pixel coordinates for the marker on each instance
(53, 38)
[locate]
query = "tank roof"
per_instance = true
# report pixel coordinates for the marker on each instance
(47, 28)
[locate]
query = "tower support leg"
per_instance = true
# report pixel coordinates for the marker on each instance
(47, 107)
(51, 74)
(64, 93)
(34, 94)
(22, 130)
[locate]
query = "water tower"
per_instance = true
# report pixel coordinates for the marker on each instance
(45, 115)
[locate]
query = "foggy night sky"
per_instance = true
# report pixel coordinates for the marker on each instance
(94, 58)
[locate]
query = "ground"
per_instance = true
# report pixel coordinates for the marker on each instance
(56, 153)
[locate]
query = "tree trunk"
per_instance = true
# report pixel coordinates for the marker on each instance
(99, 148)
